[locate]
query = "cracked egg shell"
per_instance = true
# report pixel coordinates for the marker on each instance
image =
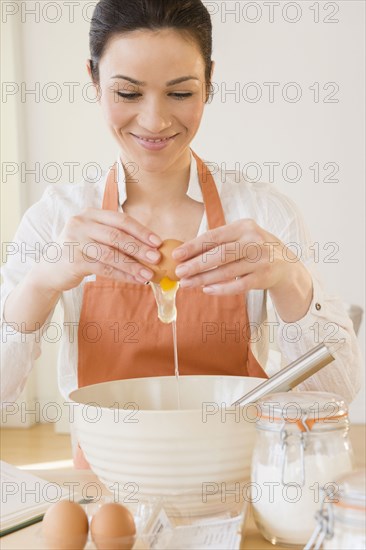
(166, 266)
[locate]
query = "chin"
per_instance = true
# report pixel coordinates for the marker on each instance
(152, 164)
(152, 161)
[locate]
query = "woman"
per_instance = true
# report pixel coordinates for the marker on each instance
(151, 66)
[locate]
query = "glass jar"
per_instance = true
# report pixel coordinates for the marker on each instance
(341, 519)
(302, 446)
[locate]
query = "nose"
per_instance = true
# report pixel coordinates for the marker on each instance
(153, 117)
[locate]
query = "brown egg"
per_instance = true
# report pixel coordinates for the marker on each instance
(113, 527)
(65, 526)
(166, 266)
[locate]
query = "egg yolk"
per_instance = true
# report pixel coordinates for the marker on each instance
(167, 284)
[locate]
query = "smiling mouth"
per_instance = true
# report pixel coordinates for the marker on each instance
(160, 140)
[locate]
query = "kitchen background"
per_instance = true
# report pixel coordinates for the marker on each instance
(288, 108)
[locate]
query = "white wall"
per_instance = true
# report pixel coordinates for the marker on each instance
(233, 130)
(12, 203)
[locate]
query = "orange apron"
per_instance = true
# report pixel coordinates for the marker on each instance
(120, 335)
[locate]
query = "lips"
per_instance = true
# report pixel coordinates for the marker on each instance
(154, 144)
(151, 140)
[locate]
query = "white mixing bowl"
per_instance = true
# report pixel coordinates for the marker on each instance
(139, 443)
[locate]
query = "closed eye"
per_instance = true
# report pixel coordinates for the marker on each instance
(176, 95)
(128, 96)
(181, 95)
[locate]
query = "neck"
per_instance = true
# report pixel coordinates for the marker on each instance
(154, 188)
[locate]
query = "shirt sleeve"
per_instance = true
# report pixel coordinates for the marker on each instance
(19, 350)
(325, 321)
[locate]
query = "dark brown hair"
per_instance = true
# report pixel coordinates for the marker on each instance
(113, 17)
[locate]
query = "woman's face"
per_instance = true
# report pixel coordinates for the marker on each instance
(141, 101)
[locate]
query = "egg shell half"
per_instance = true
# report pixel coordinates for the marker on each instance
(166, 266)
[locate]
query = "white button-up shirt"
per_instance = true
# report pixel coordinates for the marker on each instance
(43, 222)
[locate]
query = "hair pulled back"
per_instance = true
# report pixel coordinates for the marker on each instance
(114, 17)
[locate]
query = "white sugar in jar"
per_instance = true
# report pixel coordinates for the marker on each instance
(341, 519)
(302, 446)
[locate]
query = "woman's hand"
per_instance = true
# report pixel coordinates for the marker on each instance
(242, 256)
(101, 242)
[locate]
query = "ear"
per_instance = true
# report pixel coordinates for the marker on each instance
(212, 67)
(96, 86)
(88, 68)
(209, 88)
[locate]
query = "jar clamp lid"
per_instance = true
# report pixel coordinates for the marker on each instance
(304, 409)
(298, 415)
(352, 491)
(350, 496)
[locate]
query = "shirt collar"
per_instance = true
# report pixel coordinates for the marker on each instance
(193, 191)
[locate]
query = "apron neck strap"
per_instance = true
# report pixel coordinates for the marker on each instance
(110, 197)
(214, 211)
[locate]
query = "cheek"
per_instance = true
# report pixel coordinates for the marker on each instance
(113, 110)
(193, 114)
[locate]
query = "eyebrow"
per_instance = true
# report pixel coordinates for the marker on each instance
(169, 83)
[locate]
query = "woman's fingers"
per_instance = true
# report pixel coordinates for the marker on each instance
(237, 286)
(222, 273)
(124, 223)
(233, 258)
(130, 248)
(226, 244)
(106, 245)
(110, 272)
(232, 232)
(203, 243)
(208, 259)
(110, 262)
(229, 253)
